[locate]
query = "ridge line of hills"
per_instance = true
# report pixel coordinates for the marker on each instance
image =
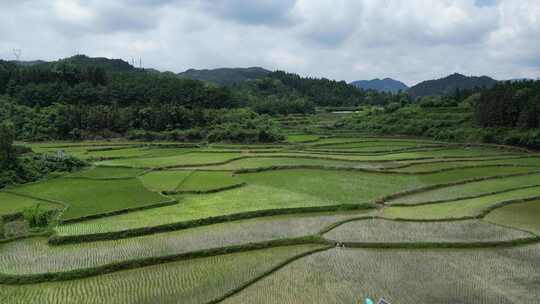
(235, 76)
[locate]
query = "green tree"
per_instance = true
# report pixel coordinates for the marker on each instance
(7, 136)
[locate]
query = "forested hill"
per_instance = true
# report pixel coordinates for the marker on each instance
(449, 84)
(381, 85)
(332, 93)
(225, 76)
(82, 62)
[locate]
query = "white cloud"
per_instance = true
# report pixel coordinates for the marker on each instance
(342, 39)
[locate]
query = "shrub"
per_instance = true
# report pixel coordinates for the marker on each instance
(37, 216)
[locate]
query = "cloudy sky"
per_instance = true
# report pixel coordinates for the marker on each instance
(410, 40)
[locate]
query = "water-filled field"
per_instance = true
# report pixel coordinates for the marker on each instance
(314, 219)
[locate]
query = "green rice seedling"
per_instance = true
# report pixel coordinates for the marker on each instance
(459, 174)
(34, 256)
(468, 189)
(191, 281)
(186, 159)
(263, 162)
(118, 153)
(522, 216)
(164, 180)
(11, 203)
(300, 138)
(532, 163)
(107, 173)
(276, 189)
(402, 276)
(458, 209)
(201, 181)
(92, 197)
(392, 232)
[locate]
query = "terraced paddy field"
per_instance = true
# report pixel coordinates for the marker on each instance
(314, 219)
(403, 276)
(192, 281)
(12, 203)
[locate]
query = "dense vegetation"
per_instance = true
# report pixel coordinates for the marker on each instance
(90, 98)
(225, 76)
(508, 113)
(511, 105)
(18, 165)
(82, 97)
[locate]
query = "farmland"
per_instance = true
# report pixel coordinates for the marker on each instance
(313, 219)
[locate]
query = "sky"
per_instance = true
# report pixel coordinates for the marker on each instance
(409, 40)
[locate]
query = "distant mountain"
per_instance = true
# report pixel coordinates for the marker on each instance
(112, 65)
(449, 84)
(83, 61)
(381, 85)
(226, 76)
(29, 63)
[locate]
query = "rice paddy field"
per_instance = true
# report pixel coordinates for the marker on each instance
(314, 219)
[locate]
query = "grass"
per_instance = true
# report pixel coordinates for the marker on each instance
(186, 159)
(457, 209)
(524, 216)
(10, 203)
(192, 281)
(403, 276)
(386, 231)
(90, 197)
(469, 189)
(32, 256)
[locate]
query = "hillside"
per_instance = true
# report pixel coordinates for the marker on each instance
(449, 84)
(381, 85)
(225, 76)
(111, 65)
